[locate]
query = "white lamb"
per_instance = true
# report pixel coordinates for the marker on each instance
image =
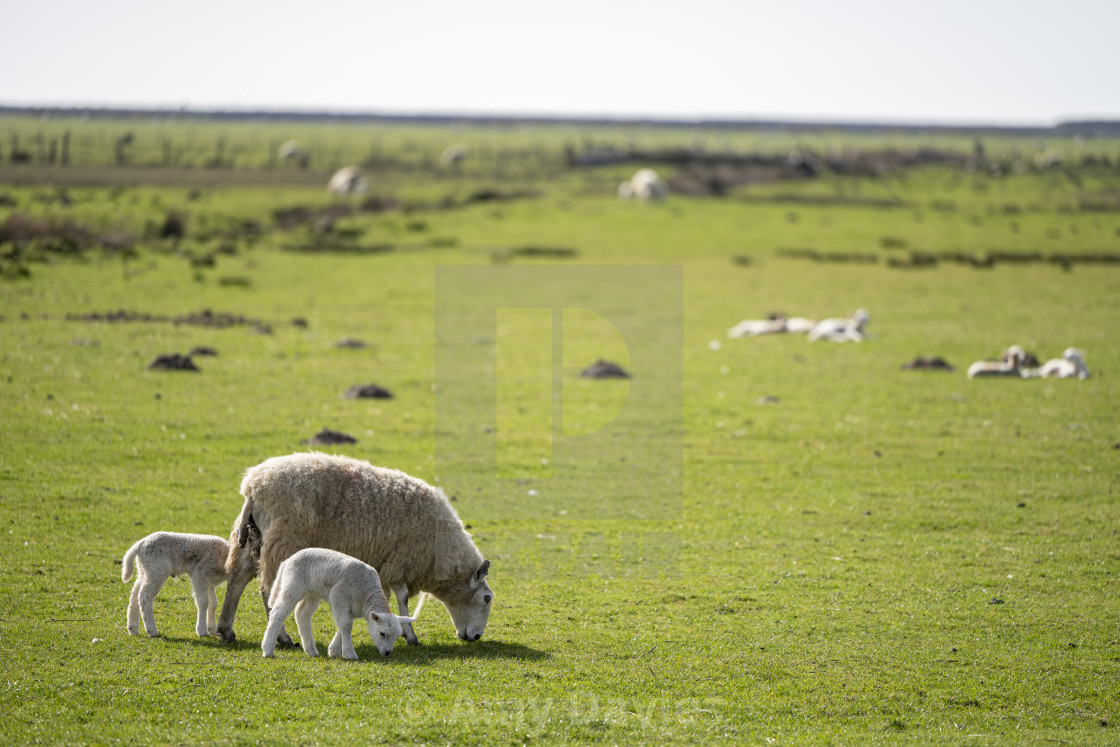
(353, 590)
(799, 324)
(1070, 366)
(1010, 365)
(840, 330)
(754, 327)
(165, 554)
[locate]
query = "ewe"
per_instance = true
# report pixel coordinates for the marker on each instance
(646, 185)
(353, 590)
(347, 181)
(398, 524)
(165, 554)
(840, 330)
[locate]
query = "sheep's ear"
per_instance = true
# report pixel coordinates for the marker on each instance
(374, 616)
(482, 570)
(404, 619)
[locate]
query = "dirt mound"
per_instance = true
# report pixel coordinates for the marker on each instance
(172, 362)
(202, 350)
(602, 369)
(936, 363)
(327, 437)
(367, 391)
(351, 343)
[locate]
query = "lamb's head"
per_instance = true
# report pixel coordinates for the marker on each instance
(469, 603)
(385, 629)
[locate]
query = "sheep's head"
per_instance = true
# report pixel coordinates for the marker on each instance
(469, 605)
(385, 629)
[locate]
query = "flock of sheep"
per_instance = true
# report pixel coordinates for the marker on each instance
(313, 527)
(1015, 362)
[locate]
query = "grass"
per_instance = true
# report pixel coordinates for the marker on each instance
(880, 556)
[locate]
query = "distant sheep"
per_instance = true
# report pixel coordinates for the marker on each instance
(164, 554)
(840, 330)
(352, 588)
(799, 324)
(347, 181)
(1070, 366)
(453, 154)
(291, 151)
(1010, 365)
(646, 185)
(776, 323)
(398, 524)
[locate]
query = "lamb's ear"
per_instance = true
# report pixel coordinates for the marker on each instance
(482, 571)
(404, 619)
(374, 616)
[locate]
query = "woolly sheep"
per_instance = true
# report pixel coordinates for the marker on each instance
(347, 180)
(1009, 365)
(353, 590)
(398, 524)
(164, 554)
(1071, 365)
(840, 330)
(646, 185)
(799, 324)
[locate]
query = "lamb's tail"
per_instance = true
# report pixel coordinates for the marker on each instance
(129, 561)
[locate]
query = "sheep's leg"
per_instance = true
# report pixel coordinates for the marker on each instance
(304, 610)
(401, 593)
(211, 610)
(237, 583)
(283, 639)
(134, 606)
(276, 617)
(201, 592)
(148, 592)
(343, 638)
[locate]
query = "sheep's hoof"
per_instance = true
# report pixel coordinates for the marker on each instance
(285, 641)
(227, 635)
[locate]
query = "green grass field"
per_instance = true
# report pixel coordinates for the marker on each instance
(878, 556)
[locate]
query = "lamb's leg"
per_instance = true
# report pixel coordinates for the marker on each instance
(201, 593)
(304, 611)
(276, 618)
(134, 605)
(401, 593)
(148, 592)
(283, 639)
(211, 610)
(345, 624)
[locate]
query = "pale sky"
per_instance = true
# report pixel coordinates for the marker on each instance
(942, 61)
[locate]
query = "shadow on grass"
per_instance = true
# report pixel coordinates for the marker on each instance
(423, 654)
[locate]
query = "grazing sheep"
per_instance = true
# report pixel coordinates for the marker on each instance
(346, 181)
(165, 554)
(774, 324)
(1070, 366)
(840, 330)
(353, 590)
(1009, 365)
(396, 523)
(646, 185)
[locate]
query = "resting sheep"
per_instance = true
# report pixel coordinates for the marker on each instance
(347, 180)
(799, 324)
(398, 524)
(353, 590)
(646, 185)
(1009, 365)
(1070, 366)
(840, 330)
(164, 554)
(775, 324)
